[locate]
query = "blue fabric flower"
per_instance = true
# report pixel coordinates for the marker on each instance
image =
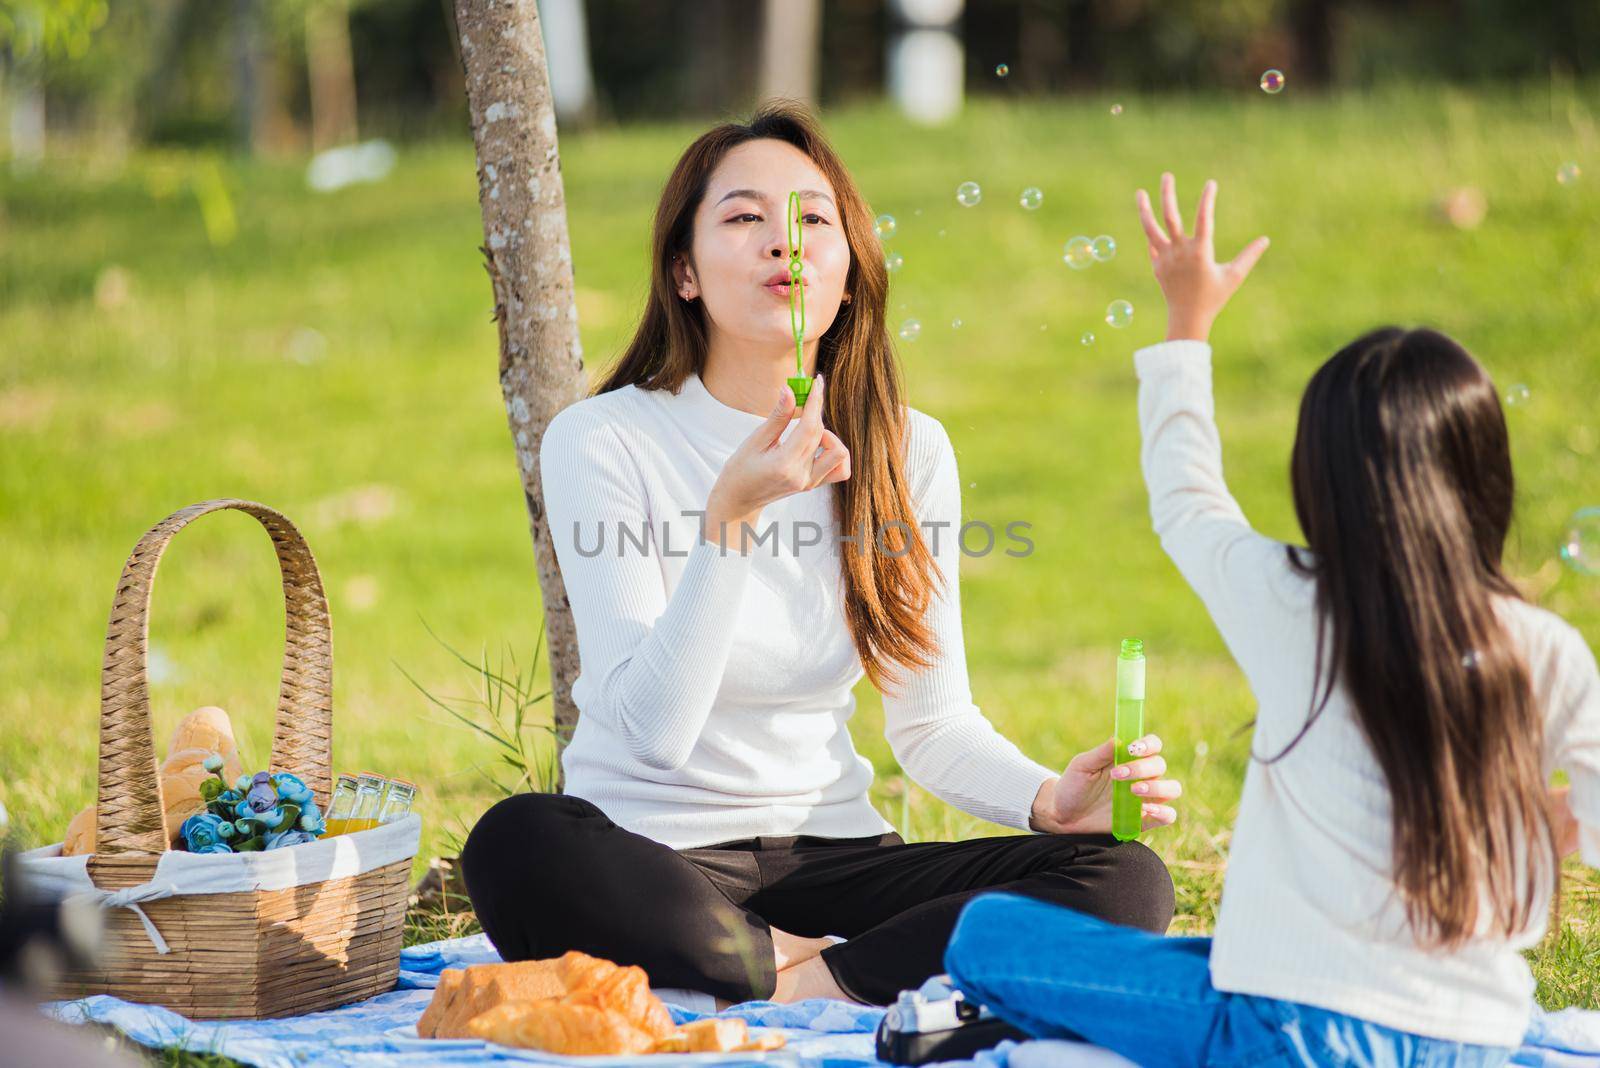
(261, 795)
(291, 788)
(272, 818)
(202, 834)
(212, 763)
(284, 839)
(241, 784)
(230, 797)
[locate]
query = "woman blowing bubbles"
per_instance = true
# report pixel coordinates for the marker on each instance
(717, 830)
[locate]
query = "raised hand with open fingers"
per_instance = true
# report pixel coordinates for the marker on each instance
(1195, 285)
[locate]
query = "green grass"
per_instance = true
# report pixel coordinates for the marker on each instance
(391, 449)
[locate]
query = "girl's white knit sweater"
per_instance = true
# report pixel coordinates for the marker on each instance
(1309, 908)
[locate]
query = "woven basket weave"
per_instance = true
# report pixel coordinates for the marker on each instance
(246, 955)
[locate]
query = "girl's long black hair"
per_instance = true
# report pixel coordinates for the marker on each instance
(1403, 487)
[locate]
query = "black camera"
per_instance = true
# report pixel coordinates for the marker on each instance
(936, 1022)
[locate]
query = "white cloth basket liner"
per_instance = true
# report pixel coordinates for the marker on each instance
(48, 874)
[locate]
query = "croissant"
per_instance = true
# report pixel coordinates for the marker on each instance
(573, 1004)
(626, 992)
(465, 993)
(560, 1026)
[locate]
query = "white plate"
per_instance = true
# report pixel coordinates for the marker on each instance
(406, 1039)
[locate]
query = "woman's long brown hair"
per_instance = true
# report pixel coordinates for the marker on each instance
(1403, 487)
(887, 592)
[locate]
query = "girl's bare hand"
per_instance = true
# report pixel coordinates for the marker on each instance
(1195, 284)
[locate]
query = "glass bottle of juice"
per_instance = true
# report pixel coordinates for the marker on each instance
(1127, 808)
(344, 799)
(369, 797)
(397, 802)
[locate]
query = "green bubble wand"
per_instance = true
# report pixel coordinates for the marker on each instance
(801, 382)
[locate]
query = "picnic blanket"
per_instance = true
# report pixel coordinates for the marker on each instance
(820, 1033)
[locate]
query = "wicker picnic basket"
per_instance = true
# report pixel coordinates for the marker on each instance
(298, 929)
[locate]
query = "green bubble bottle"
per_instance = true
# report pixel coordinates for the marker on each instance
(1127, 809)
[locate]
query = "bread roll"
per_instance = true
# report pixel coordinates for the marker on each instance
(80, 833)
(444, 995)
(479, 987)
(199, 734)
(205, 728)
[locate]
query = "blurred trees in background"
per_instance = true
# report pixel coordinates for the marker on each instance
(287, 76)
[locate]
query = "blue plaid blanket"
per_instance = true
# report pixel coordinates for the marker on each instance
(819, 1033)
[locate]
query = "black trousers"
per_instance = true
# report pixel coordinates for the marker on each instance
(548, 873)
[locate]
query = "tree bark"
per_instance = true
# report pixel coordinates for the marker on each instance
(790, 35)
(332, 73)
(529, 259)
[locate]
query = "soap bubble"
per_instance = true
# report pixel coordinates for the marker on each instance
(893, 262)
(884, 226)
(1001, 70)
(910, 330)
(1032, 197)
(1272, 81)
(1119, 313)
(1103, 248)
(1580, 549)
(1568, 173)
(1518, 395)
(1078, 253)
(1087, 338)
(1116, 109)
(955, 324)
(968, 194)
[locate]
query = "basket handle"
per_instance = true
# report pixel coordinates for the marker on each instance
(129, 817)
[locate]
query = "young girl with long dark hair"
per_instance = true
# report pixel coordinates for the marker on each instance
(1398, 841)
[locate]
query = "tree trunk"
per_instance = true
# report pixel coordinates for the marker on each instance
(333, 75)
(529, 260)
(790, 35)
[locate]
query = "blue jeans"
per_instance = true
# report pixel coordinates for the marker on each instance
(1057, 973)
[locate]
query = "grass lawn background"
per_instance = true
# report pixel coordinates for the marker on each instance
(335, 359)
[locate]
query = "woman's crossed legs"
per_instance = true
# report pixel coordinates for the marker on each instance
(747, 920)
